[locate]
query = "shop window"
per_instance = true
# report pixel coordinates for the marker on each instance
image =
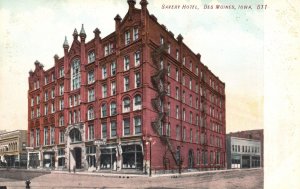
(132, 157)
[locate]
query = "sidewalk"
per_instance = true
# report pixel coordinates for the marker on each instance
(131, 175)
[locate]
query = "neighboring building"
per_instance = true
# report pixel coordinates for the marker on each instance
(106, 99)
(13, 148)
(257, 134)
(243, 153)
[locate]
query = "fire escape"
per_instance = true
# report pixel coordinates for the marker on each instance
(159, 82)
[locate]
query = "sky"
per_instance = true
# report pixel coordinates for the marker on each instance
(231, 44)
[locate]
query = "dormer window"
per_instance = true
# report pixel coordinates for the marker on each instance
(127, 37)
(91, 57)
(161, 40)
(135, 34)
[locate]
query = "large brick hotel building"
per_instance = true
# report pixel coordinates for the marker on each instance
(135, 99)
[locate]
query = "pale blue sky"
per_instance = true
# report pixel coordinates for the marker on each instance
(231, 43)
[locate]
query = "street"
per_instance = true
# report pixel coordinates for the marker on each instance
(231, 179)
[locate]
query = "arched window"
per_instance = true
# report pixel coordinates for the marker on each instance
(126, 104)
(75, 135)
(103, 110)
(75, 74)
(113, 108)
(137, 102)
(90, 113)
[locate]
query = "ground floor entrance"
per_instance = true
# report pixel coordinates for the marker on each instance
(77, 157)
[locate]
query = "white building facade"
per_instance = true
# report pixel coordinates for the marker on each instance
(243, 153)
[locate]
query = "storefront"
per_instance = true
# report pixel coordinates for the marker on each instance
(61, 157)
(34, 159)
(108, 158)
(48, 160)
(255, 161)
(132, 156)
(91, 156)
(236, 161)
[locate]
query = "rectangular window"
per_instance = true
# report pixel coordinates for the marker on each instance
(161, 40)
(46, 109)
(70, 117)
(45, 136)
(91, 132)
(113, 68)
(91, 77)
(126, 63)
(52, 107)
(126, 105)
(137, 58)
(177, 75)
(177, 93)
(183, 79)
(127, 37)
(37, 139)
(184, 134)
(137, 80)
(177, 54)
(183, 61)
(32, 101)
(168, 129)
(177, 132)
(75, 74)
(168, 89)
(61, 137)
(183, 96)
(38, 112)
(103, 110)
(191, 135)
(137, 125)
(197, 70)
(113, 128)
(191, 118)
(126, 126)
(177, 112)
(104, 130)
(52, 136)
(46, 96)
(190, 84)
(70, 101)
(169, 48)
(191, 65)
(61, 104)
(61, 89)
(113, 88)
(74, 117)
(135, 34)
(61, 72)
(52, 93)
(126, 83)
(46, 80)
(106, 50)
(104, 91)
(38, 99)
(32, 114)
(169, 70)
(61, 120)
(104, 72)
(91, 95)
(91, 57)
(183, 114)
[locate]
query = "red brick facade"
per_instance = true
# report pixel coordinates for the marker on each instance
(167, 85)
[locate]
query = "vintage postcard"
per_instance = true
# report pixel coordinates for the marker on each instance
(148, 94)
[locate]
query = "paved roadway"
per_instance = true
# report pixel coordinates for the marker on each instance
(232, 179)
